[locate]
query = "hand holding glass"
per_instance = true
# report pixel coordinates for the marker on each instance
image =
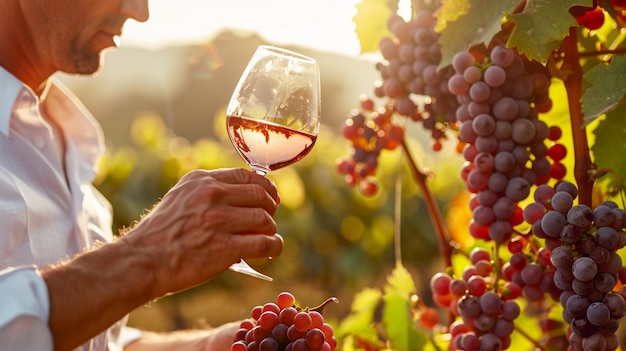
(273, 116)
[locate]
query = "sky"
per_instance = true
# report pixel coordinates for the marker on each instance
(320, 24)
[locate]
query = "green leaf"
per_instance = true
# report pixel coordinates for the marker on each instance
(607, 88)
(399, 324)
(371, 23)
(609, 146)
(400, 282)
(541, 27)
(450, 10)
(361, 317)
(481, 22)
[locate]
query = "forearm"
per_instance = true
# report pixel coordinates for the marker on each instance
(181, 341)
(95, 290)
(216, 339)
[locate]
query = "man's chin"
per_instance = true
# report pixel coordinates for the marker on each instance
(88, 65)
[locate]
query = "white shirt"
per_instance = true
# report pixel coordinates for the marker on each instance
(44, 216)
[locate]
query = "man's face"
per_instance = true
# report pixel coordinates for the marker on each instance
(70, 35)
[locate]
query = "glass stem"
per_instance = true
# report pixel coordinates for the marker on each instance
(259, 171)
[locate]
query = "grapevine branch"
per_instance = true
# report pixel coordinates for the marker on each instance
(573, 86)
(603, 52)
(445, 248)
(537, 345)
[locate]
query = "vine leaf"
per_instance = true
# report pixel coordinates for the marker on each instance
(371, 23)
(399, 322)
(607, 88)
(541, 26)
(449, 11)
(400, 282)
(609, 146)
(479, 24)
(360, 319)
(397, 312)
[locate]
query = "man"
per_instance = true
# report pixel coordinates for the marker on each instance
(65, 284)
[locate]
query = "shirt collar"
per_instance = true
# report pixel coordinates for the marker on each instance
(10, 87)
(75, 120)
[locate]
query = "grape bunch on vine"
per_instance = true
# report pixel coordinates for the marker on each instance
(529, 93)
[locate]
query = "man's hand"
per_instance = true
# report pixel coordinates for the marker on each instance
(206, 222)
(217, 339)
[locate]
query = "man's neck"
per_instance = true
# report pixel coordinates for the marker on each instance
(17, 48)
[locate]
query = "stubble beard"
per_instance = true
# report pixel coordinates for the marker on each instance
(86, 62)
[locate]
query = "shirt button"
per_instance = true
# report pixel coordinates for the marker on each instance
(40, 143)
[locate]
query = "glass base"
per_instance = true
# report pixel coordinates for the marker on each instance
(243, 268)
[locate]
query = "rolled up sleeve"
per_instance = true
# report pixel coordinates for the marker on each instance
(24, 310)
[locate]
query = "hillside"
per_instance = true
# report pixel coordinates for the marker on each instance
(188, 84)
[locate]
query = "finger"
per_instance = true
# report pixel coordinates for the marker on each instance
(206, 192)
(256, 246)
(240, 220)
(244, 176)
(249, 195)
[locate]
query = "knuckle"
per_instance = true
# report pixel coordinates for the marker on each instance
(212, 193)
(215, 218)
(192, 175)
(241, 175)
(263, 221)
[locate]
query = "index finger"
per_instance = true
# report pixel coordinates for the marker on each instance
(244, 176)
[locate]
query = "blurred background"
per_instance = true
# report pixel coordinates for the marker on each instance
(160, 99)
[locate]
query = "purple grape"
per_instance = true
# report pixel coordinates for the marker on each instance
(562, 258)
(603, 216)
(517, 189)
(598, 313)
(553, 223)
(469, 306)
(584, 269)
(577, 306)
(524, 131)
(580, 216)
(568, 187)
(483, 125)
(562, 201)
(490, 303)
(607, 237)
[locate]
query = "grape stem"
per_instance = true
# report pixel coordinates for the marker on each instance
(529, 338)
(321, 307)
(496, 267)
(445, 247)
(573, 86)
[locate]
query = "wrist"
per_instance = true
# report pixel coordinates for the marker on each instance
(94, 290)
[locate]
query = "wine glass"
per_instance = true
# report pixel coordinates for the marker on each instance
(273, 116)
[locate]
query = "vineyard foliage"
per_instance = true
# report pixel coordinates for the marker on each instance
(404, 221)
(579, 46)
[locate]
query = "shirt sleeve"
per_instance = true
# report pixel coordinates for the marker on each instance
(24, 310)
(129, 335)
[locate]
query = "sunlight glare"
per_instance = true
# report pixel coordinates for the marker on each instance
(404, 9)
(322, 24)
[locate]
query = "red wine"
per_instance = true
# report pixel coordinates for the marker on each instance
(267, 146)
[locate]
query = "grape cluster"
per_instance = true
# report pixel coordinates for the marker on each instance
(532, 274)
(583, 244)
(370, 131)
(411, 69)
(500, 96)
(486, 310)
(593, 17)
(283, 326)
